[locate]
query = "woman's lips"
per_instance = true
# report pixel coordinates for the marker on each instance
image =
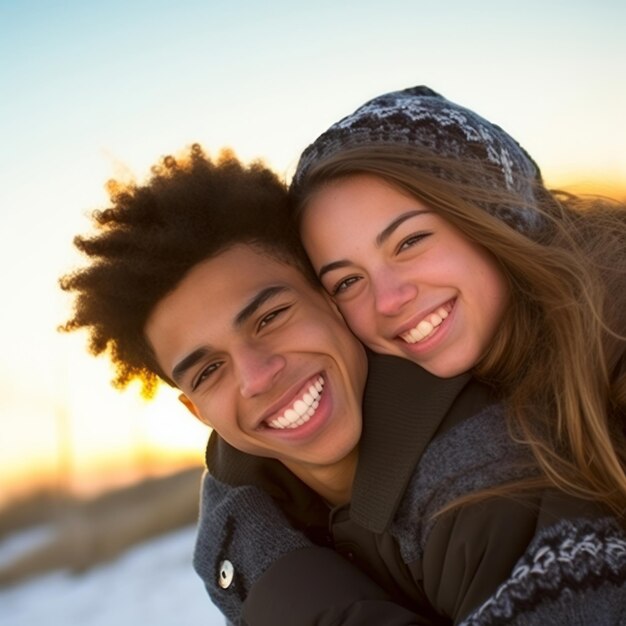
(428, 324)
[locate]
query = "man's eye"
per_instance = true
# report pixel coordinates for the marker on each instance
(270, 317)
(412, 240)
(204, 374)
(343, 285)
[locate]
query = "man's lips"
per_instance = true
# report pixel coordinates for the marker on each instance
(427, 325)
(301, 409)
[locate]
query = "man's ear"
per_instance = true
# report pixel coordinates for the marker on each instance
(193, 409)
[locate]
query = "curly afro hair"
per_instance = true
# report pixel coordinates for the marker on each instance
(191, 209)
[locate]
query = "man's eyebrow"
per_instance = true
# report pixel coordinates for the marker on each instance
(248, 311)
(380, 240)
(187, 363)
(256, 302)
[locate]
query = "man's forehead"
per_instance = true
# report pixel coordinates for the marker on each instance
(239, 280)
(254, 269)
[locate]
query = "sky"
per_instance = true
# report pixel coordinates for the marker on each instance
(99, 90)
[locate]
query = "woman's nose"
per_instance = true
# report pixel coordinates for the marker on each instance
(392, 293)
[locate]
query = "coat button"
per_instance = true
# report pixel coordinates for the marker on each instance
(227, 571)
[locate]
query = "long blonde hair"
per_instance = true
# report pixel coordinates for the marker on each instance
(558, 358)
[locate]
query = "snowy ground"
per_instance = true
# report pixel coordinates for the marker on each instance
(152, 584)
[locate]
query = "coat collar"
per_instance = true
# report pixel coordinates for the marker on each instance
(403, 408)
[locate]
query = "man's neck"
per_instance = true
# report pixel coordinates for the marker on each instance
(333, 483)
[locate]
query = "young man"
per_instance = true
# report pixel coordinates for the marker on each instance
(196, 278)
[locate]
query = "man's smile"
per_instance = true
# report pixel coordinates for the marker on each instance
(302, 409)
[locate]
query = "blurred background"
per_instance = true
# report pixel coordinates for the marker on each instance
(99, 90)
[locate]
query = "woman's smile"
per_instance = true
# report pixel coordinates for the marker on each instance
(406, 280)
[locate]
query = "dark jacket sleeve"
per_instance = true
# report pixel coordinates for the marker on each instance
(470, 552)
(318, 587)
(488, 554)
(260, 571)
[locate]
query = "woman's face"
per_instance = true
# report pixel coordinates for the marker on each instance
(407, 282)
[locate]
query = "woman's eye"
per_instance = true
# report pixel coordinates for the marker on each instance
(204, 374)
(411, 241)
(343, 285)
(270, 317)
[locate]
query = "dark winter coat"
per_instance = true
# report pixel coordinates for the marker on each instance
(427, 441)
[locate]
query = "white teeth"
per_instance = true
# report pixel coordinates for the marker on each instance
(300, 407)
(426, 326)
(302, 410)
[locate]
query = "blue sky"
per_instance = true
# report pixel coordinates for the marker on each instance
(95, 90)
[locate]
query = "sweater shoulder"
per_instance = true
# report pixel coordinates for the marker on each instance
(476, 454)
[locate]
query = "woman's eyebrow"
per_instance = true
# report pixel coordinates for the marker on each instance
(388, 230)
(329, 267)
(380, 240)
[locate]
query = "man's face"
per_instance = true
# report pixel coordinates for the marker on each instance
(264, 358)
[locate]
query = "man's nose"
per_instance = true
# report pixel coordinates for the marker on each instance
(258, 370)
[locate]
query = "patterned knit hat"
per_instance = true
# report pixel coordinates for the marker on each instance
(420, 116)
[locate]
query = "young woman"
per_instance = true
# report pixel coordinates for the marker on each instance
(432, 231)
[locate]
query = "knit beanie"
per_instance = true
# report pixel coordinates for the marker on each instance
(421, 117)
